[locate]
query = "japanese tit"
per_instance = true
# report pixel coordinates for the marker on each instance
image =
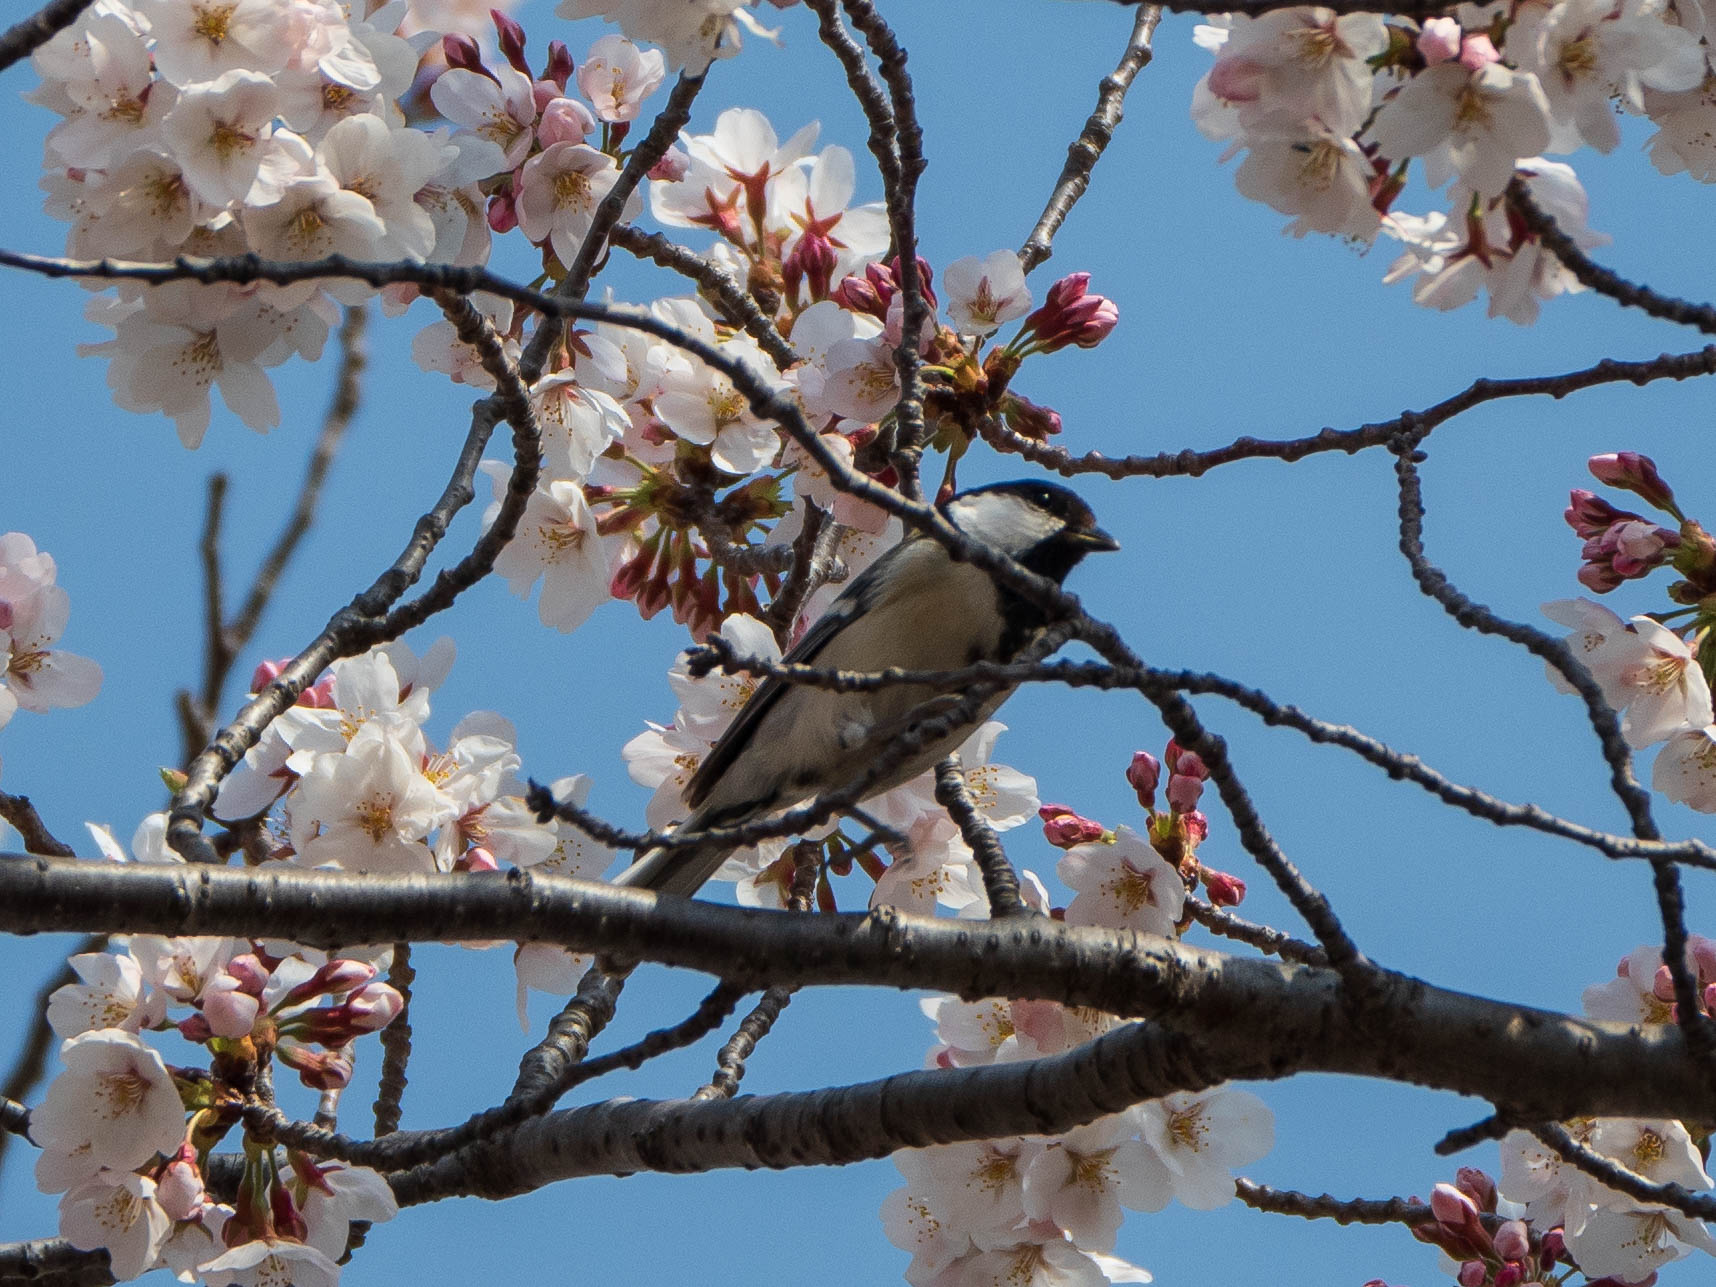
(915, 608)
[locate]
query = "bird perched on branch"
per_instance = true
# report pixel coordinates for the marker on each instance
(915, 608)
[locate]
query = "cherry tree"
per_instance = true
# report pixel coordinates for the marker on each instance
(714, 368)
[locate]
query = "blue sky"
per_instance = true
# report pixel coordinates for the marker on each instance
(1286, 577)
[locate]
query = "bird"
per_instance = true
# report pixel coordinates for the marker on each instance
(916, 608)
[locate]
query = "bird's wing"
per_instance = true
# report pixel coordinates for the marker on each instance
(858, 598)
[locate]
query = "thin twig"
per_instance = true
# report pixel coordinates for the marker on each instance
(1604, 281)
(1433, 582)
(1261, 937)
(1000, 881)
(1701, 1206)
(395, 1044)
(714, 282)
(23, 818)
(22, 39)
(1084, 151)
(1263, 1197)
(730, 1061)
(1192, 464)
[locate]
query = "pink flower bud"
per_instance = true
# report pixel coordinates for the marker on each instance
(813, 260)
(250, 974)
(477, 859)
(1553, 1247)
(1197, 827)
(1439, 40)
(1458, 1214)
(1513, 1241)
(1142, 775)
(1634, 473)
(1064, 828)
(461, 51)
(1662, 985)
(672, 167)
(230, 1013)
(1509, 1276)
(1070, 315)
(288, 1222)
(1029, 420)
(1183, 792)
(195, 1028)
(180, 1188)
(1225, 889)
(1190, 764)
(1589, 515)
(511, 38)
(338, 976)
(1473, 1273)
(372, 1007)
(559, 69)
(1477, 1186)
(564, 120)
(266, 672)
(502, 215)
(1477, 52)
(319, 1070)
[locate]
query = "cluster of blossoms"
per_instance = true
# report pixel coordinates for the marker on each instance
(206, 127)
(1545, 1214)
(1042, 1210)
(1331, 111)
(693, 32)
(33, 613)
(642, 438)
(126, 1137)
(348, 779)
(1656, 674)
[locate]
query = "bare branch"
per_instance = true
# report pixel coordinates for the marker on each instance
(1261, 937)
(1591, 274)
(1701, 1206)
(17, 811)
(714, 282)
(395, 1046)
(22, 39)
(1549, 1067)
(1191, 464)
(1086, 150)
(1328, 1207)
(1000, 881)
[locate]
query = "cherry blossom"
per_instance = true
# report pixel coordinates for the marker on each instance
(114, 1106)
(33, 615)
(369, 808)
(116, 1212)
(1081, 1180)
(220, 133)
(111, 994)
(560, 191)
(616, 76)
(691, 32)
(1125, 884)
(500, 108)
(1476, 123)
(982, 294)
(271, 1261)
(558, 544)
(1685, 769)
(1200, 1138)
(1305, 63)
(201, 40)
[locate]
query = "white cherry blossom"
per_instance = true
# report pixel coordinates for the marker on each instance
(1476, 123)
(114, 1105)
(982, 294)
(616, 76)
(559, 192)
(1201, 1137)
(501, 110)
(111, 994)
(1123, 885)
(219, 133)
(116, 1212)
(557, 543)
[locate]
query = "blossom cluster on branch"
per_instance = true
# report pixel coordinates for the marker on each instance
(1332, 110)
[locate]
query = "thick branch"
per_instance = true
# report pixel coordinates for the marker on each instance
(1549, 1066)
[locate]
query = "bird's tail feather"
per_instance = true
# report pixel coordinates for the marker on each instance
(681, 871)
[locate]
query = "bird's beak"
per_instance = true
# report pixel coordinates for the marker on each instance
(1094, 538)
